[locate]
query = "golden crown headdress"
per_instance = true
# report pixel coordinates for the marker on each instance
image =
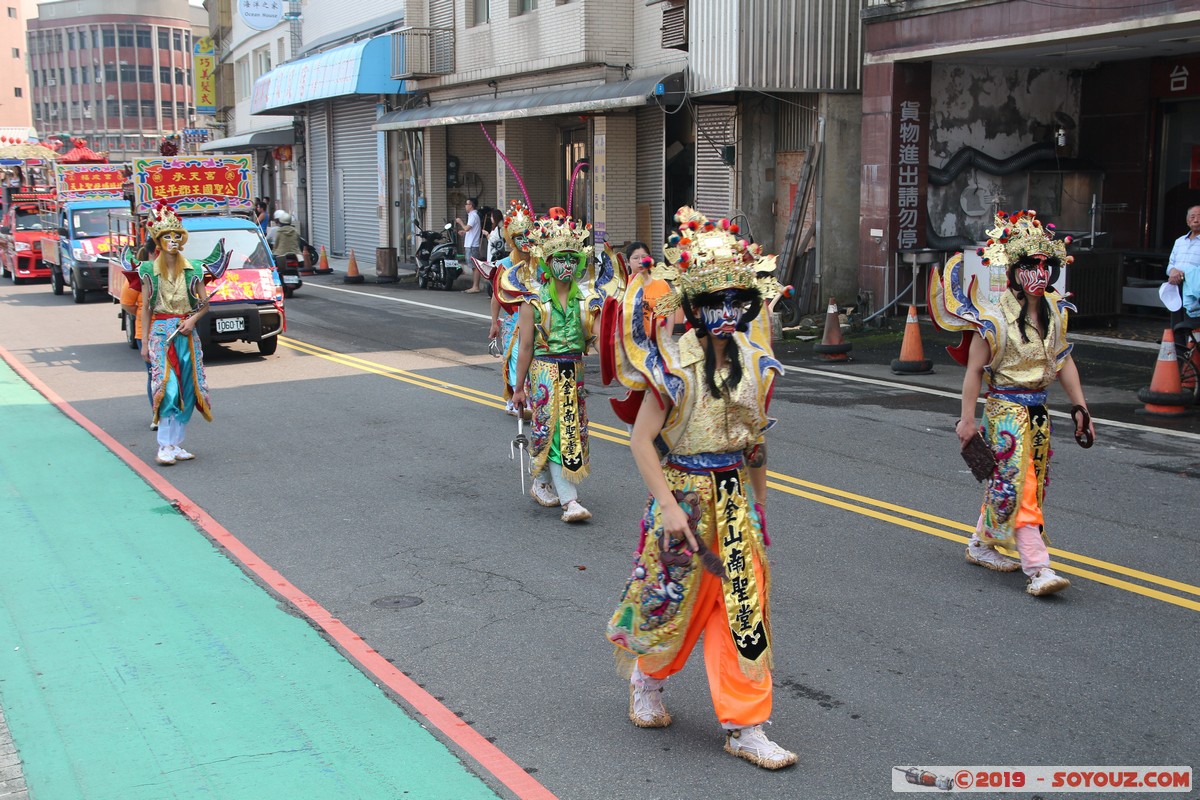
(558, 233)
(164, 220)
(1020, 234)
(517, 220)
(709, 257)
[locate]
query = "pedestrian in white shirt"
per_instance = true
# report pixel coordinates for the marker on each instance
(471, 231)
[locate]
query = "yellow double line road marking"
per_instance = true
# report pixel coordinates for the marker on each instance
(899, 515)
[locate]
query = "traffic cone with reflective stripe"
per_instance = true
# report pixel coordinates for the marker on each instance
(352, 273)
(1165, 396)
(912, 358)
(833, 348)
(306, 265)
(323, 267)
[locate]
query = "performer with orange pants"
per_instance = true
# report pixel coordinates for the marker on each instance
(1018, 346)
(701, 565)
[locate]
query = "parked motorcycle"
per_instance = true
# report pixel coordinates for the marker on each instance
(438, 266)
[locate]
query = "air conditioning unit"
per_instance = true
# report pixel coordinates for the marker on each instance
(51, 82)
(87, 113)
(54, 112)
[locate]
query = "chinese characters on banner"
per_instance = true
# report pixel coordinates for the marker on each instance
(193, 183)
(204, 66)
(89, 181)
(908, 175)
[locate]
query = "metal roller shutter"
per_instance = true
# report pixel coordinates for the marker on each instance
(651, 177)
(716, 129)
(354, 193)
(318, 184)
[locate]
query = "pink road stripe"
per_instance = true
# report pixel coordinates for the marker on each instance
(490, 757)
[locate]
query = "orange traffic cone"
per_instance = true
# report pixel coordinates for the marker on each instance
(833, 348)
(323, 267)
(352, 273)
(1165, 396)
(912, 355)
(306, 267)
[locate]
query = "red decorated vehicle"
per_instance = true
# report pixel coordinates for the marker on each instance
(25, 223)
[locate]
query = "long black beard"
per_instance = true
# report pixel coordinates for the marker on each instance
(1041, 307)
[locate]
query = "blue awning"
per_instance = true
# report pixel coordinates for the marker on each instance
(363, 67)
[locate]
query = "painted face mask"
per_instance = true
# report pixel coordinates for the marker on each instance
(563, 265)
(521, 240)
(722, 313)
(171, 241)
(1033, 274)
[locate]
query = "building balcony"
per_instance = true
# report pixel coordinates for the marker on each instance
(422, 53)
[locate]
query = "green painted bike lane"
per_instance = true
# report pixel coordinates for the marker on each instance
(138, 661)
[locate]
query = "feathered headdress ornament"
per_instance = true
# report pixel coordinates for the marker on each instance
(1021, 234)
(164, 220)
(558, 233)
(709, 257)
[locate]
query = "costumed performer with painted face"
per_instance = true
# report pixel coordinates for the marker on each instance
(175, 298)
(558, 313)
(701, 565)
(503, 333)
(1020, 346)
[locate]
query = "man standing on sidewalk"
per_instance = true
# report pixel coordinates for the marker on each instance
(1183, 270)
(471, 230)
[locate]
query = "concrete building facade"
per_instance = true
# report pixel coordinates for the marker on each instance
(1090, 114)
(120, 78)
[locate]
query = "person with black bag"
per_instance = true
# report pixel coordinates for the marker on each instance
(1019, 346)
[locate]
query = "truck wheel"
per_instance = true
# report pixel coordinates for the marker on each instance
(130, 331)
(268, 347)
(288, 291)
(77, 292)
(56, 282)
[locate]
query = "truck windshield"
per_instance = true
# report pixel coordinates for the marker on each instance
(89, 222)
(249, 248)
(28, 219)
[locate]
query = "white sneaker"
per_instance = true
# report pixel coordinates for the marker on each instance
(574, 512)
(544, 494)
(646, 709)
(987, 556)
(1046, 581)
(754, 746)
(181, 454)
(166, 456)
(511, 410)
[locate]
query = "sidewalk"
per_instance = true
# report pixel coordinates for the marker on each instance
(138, 661)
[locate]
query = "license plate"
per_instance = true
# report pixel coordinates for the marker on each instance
(231, 325)
(290, 279)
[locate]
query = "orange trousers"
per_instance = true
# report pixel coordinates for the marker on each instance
(738, 701)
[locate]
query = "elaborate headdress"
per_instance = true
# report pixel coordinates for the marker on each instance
(709, 257)
(517, 220)
(558, 233)
(164, 219)
(1022, 234)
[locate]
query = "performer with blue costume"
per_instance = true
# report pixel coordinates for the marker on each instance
(175, 299)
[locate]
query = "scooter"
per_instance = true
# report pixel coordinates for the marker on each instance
(438, 266)
(288, 266)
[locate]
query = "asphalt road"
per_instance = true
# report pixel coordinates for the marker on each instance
(368, 460)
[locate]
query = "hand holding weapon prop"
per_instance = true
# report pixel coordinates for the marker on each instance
(518, 450)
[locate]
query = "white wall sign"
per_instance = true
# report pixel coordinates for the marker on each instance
(261, 15)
